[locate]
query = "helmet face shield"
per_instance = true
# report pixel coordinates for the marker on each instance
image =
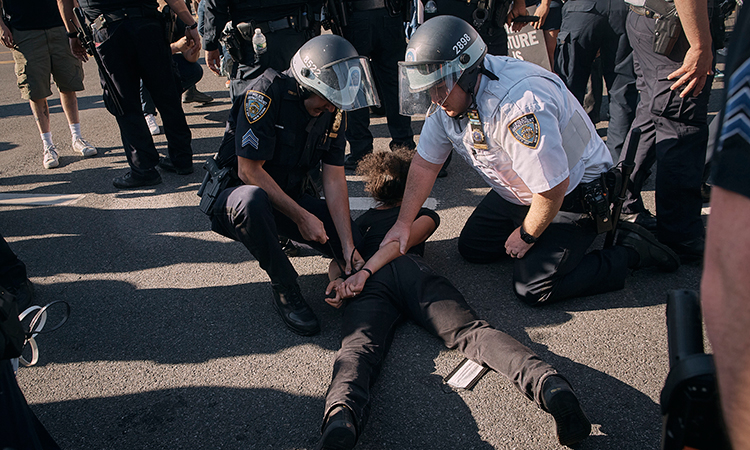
(424, 85)
(348, 83)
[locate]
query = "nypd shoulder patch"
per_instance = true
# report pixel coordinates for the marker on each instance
(526, 130)
(256, 105)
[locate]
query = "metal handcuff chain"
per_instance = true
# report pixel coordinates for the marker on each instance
(36, 326)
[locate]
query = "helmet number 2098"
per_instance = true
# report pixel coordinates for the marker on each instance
(463, 42)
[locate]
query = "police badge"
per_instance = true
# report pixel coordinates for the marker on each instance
(526, 130)
(256, 105)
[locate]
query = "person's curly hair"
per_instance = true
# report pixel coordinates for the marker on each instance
(385, 174)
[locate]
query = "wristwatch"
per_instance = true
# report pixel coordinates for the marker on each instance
(193, 26)
(527, 238)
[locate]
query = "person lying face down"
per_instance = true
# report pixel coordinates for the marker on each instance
(392, 287)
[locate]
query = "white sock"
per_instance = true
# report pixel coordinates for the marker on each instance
(75, 131)
(47, 139)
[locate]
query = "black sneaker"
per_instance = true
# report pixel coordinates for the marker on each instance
(293, 309)
(339, 432)
(193, 95)
(643, 218)
(23, 294)
(166, 164)
(650, 251)
(689, 251)
(559, 400)
(130, 181)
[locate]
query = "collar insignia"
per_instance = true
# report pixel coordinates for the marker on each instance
(526, 130)
(256, 105)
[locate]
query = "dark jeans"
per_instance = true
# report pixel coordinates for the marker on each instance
(381, 37)
(408, 289)
(245, 214)
(675, 136)
(12, 269)
(557, 267)
(598, 26)
(134, 50)
(189, 74)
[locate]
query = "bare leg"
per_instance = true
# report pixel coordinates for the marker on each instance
(550, 40)
(69, 103)
(41, 114)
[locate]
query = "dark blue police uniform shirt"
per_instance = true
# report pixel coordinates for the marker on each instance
(271, 124)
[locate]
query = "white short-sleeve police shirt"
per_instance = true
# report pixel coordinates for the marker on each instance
(537, 133)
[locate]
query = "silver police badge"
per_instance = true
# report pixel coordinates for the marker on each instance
(256, 105)
(526, 130)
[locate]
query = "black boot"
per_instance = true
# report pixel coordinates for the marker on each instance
(293, 309)
(559, 400)
(339, 432)
(650, 251)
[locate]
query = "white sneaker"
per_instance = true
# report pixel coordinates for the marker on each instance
(153, 127)
(50, 157)
(82, 146)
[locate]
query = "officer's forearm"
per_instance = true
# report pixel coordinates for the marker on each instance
(421, 178)
(694, 20)
(544, 208)
(179, 7)
(337, 199)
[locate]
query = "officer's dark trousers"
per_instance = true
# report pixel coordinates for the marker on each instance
(408, 289)
(135, 49)
(589, 27)
(189, 74)
(557, 266)
(675, 136)
(376, 34)
(244, 213)
(12, 269)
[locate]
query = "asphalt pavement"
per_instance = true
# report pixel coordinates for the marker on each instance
(172, 341)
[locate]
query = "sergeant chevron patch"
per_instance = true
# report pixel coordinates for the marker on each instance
(256, 105)
(526, 130)
(737, 110)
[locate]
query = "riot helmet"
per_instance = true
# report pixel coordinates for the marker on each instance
(329, 66)
(443, 53)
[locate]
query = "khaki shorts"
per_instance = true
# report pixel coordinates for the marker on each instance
(39, 53)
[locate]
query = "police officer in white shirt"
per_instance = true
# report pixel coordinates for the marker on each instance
(530, 139)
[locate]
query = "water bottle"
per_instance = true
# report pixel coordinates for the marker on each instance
(259, 42)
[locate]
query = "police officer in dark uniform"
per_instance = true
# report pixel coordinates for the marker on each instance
(284, 125)
(675, 84)
(286, 24)
(375, 28)
(591, 27)
(131, 40)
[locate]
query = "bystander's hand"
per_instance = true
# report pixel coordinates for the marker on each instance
(212, 61)
(542, 11)
(6, 36)
(518, 9)
(79, 51)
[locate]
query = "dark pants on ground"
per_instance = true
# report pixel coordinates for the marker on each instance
(408, 289)
(189, 74)
(674, 135)
(20, 429)
(381, 37)
(281, 45)
(593, 26)
(557, 266)
(12, 269)
(245, 214)
(134, 50)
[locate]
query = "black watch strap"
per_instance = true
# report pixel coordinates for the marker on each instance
(527, 238)
(193, 26)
